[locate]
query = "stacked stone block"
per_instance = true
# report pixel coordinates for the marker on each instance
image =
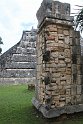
(63, 68)
(59, 86)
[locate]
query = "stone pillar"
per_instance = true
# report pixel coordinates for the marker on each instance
(58, 86)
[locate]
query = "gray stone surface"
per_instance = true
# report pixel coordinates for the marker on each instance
(21, 65)
(24, 58)
(53, 9)
(56, 112)
(18, 73)
(15, 81)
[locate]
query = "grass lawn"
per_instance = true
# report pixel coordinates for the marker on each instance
(16, 108)
(15, 105)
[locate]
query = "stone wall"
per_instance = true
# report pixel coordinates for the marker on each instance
(59, 61)
(18, 64)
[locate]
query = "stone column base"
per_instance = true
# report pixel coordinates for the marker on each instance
(56, 112)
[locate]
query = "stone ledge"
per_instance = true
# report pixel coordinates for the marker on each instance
(17, 81)
(56, 112)
(48, 20)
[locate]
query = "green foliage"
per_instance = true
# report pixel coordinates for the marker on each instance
(0, 50)
(79, 20)
(1, 42)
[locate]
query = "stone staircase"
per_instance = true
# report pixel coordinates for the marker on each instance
(18, 64)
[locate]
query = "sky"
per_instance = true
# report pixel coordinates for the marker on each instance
(19, 15)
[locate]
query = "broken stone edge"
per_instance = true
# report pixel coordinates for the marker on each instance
(56, 112)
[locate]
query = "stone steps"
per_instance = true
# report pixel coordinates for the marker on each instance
(18, 73)
(21, 65)
(23, 58)
(16, 81)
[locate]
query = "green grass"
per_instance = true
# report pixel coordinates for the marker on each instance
(16, 108)
(15, 105)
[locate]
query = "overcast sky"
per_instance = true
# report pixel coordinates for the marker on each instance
(19, 15)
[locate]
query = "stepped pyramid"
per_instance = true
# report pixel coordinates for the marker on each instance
(18, 64)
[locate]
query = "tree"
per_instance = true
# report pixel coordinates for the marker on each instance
(1, 42)
(79, 20)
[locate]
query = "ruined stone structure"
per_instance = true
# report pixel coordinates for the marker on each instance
(18, 64)
(59, 86)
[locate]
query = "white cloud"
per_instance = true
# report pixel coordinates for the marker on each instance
(19, 15)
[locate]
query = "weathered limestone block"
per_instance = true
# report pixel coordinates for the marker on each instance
(68, 71)
(76, 50)
(79, 79)
(79, 59)
(61, 43)
(18, 73)
(61, 61)
(19, 50)
(68, 92)
(79, 89)
(75, 42)
(73, 90)
(56, 75)
(62, 91)
(52, 44)
(66, 32)
(74, 68)
(61, 65)
(51, 28)
(68, 100)
(60, 31)
(21, 65)
(67, 60)
(78, 98)
(67, 53)
(54, 55)
(31, 51)
(79, 69)
(68, 80)
(61, 104)
(24, 58)
(67, 40)
(60, 36)
(61, 55)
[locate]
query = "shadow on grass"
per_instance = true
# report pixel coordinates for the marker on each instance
(26, 115)
(76, 118)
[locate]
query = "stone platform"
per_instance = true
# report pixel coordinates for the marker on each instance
(56, 112)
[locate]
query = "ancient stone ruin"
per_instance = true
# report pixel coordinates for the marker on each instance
(59, 85)
(18, 64)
